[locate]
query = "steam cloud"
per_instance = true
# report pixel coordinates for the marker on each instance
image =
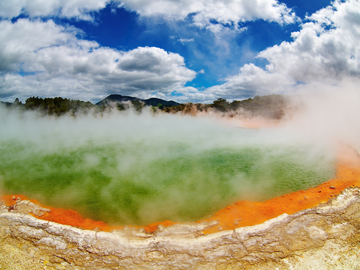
(130, 168)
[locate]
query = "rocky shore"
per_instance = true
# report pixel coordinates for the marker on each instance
(284, 242)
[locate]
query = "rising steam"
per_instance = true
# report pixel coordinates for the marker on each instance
(131, 168)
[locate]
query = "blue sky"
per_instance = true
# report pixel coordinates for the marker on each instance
(185, 50)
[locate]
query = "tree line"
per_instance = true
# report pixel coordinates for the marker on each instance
(54, 106)
(270, 106)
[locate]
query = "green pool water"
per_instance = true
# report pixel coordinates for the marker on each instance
(133, 169)
(116, 184)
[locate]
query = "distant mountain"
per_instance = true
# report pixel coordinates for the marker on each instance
(149, 102)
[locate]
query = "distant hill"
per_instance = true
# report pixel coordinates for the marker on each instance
(150, 102)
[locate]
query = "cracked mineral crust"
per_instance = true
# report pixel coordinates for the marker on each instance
(49, 245)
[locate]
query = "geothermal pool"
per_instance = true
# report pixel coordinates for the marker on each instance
(131, 169)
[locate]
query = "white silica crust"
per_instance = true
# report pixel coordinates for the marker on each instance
(184, 246)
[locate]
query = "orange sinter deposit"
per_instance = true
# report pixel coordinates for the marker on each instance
(61, 216)
(246, 213)
(239, 214)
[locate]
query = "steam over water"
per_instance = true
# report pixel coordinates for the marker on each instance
(126, 168)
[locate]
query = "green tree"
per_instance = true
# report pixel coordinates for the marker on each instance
(220, 104)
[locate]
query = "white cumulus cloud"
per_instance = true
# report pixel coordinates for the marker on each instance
(326, 50)
(228, 12)
(204, 12)
(19, 41)
(251, 81)
(41, 58)
(39, 8)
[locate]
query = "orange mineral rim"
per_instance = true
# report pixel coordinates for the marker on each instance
(241, 213)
